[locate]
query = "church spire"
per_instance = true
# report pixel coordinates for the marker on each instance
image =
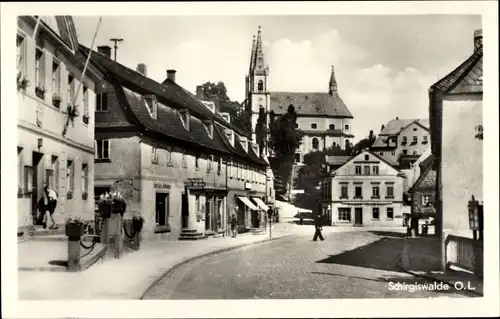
(259, 68)
(333, 83)
(252, 56)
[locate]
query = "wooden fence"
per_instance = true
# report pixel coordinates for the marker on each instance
(465, 253)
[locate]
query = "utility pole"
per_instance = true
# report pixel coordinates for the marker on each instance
(116, 40)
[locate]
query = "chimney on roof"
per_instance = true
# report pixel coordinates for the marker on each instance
(142, 69)
(104, 50)
(200, 93)
(171, 75)
(478, 39)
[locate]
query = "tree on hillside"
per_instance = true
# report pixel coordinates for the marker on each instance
(284, 139)
(217, 93)
(367, 142)
(243, 121)
(261, 129)
(310, 175)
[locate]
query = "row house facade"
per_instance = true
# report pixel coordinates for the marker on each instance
(178, 163)
(365, 190)
(456, 117)
(423, 194)
(53, 149)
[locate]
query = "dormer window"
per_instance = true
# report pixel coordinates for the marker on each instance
(314, 125)
(255, 148)
(346, 127)
(230, 136)
(152, 105)
(185, 118)
(332, 127)
(226, 117)
(209, 126)
(244, 143)
(210, 105)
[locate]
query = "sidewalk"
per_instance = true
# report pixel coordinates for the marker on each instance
(420, 257)
(129, 276)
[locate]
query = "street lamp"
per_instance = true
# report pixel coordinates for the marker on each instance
(476, 218)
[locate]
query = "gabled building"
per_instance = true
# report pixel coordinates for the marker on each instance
(53, 149)
(365, 190)
(456, 118)
(177, 162)
(423, 193)
(402, 141)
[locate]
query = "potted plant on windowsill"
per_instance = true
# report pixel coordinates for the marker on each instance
(86, 118)
(56, 100)
(74, 227)
(137, 222)
(69, 195)
(85, 195)
(22, 82)
(40, 92)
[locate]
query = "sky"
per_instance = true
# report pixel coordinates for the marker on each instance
(384, 65)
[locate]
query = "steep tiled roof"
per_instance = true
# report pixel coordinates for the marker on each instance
(327, 133)
(63, 27)
(310, 104)
(169, 93)
(427, 179)
(337, 160)
(466, 78)
(426, 162)
(397, 125)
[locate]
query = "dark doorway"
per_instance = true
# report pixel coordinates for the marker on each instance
(101, 190)
(185, 211)
(36, 189)
(358, 216)
(161, 209)
(208, 207)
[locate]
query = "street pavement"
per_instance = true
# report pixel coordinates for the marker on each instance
(348, 264)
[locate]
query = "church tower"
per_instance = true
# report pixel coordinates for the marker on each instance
(257, 83)
(333, 83)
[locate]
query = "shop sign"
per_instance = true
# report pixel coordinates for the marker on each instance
(195, 183)
(161, 185)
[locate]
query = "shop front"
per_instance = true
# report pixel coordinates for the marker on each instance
(261, 215)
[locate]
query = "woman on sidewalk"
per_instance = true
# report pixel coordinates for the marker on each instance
(50, 200)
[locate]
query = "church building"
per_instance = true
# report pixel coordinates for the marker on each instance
(322, 116)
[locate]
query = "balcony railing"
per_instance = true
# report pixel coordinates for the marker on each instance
(465, 253)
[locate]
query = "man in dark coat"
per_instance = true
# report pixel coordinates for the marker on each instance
(318, 226)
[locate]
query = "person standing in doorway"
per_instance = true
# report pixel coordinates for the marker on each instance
(319, 227)
(50, 198)
(234, 226)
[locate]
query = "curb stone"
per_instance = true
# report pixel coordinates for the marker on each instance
(190, 259)
(429, 277)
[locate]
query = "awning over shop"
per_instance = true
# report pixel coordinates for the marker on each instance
(248, 203)
(261, 204)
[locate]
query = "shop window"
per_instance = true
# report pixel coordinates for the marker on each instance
(344, 215)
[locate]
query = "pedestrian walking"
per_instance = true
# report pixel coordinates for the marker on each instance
(318, 226)
(50, 201)
(234, 226)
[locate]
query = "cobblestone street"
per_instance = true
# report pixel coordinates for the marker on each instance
(345, 265)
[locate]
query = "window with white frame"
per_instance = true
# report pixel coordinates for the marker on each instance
(40, 69)
(20, 167)
(375, 191)
(358, 192)
(425, 139)
(375, 213)
(85, 93)
(102, 149)
(169, 151)
(404, 140)
(344, 214)
(358, 170)
(101, 102)
(375, 170)
(415, 139)
(184, 159)
(210, 163)
(71, 88)
(52, 173)
(367, 170)
(390, 191)
(85, 178)
(56, 77)
(70, 176)
(21, 54)
(426, 200)
(390, 213)
(314, 125)
(154, 155)
(343, 191)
